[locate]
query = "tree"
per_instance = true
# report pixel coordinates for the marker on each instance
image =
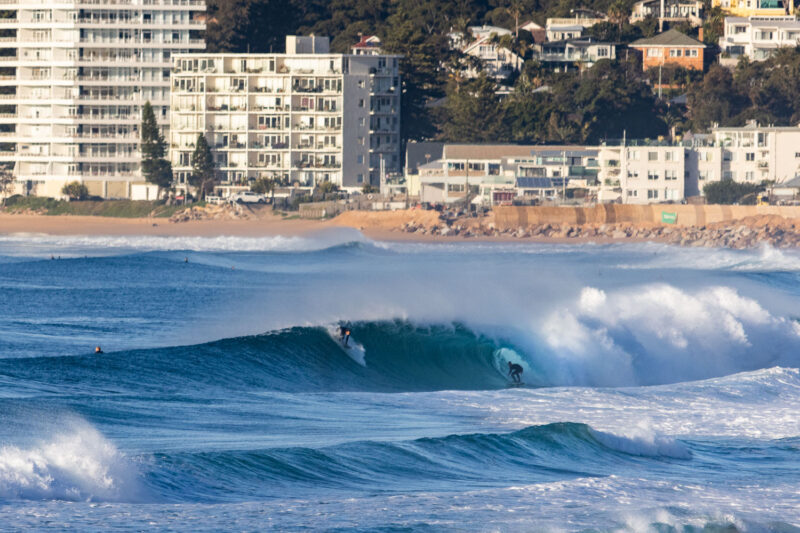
(368, 188)
(204, 173)
(714, 100)
(264, 186)
(6, 182)
(729, 192)
(75, 190)
(155, 168)
(473, 112)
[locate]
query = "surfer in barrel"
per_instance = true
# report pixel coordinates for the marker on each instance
(344, 335)
(515, 371)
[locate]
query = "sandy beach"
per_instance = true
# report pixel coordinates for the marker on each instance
(418, 226)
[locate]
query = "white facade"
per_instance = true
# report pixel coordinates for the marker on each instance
(74, 88)
(759, 37)
(755, 153)
(497, 61)
(299, 118)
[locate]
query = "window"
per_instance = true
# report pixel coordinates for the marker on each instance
(360, 178)
(360, 159)
(633, 174)
(739, 29)
(652, 156)
(654, 52)
(691, 53)
(652, 194)
(670, 175)
(633, 193)
(652, 175)
(360, 102)
(361, 121)
(749, 175)
(602, 52)
(703, 175)
(675, 52)
(361, 84)
(669, 156)
(750, 156)
(797, 155)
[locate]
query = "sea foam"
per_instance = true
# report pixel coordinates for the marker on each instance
(76, 465)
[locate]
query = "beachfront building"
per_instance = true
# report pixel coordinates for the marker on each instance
(73, 78)
(671, 48)
(501, 173)
(302, 117)
(758, 37)
(668, 11)
(754, 153)
(755, 8)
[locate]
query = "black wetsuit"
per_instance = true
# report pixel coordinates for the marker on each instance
(514, 370)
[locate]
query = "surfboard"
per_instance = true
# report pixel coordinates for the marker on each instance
(354, 350)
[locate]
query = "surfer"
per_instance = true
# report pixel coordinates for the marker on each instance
(514, 370)
(344, 335)
(98, 350)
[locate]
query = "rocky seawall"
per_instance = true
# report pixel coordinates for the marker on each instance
(748, 232)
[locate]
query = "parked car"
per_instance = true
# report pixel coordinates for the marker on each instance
(247, 197)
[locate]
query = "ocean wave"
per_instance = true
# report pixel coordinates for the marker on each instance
(547, 453)
(36, 245)
(75, 464)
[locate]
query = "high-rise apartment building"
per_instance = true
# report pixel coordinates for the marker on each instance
(302, 117)
(74, 75)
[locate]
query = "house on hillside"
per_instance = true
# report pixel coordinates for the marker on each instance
(573, 54)
(538, 32)
(497, 61)
(758, 37)
(368, 45)
(671, 48)
(755, 8)
(669, 11)
(559, 29)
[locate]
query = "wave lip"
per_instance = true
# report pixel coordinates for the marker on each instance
(79, 465)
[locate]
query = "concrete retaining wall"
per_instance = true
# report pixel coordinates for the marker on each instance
(513, 217)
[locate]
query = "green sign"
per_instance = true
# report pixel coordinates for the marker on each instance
(669, 218)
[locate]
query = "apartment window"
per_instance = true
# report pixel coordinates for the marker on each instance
(652, 194)
(739, 29)
(147, 36)
(749, 175)
(633, 174)
(670, 175)
(633, 193)
(360, 159)
(361, 102)
(750, 156)
(361, 84)
(361, 121)
(652, 175)
(360, 178)
(669, 156)
(652, 156)
(702, 175)
(633, 155)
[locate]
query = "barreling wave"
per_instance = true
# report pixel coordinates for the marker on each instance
(605, 342)
(399, 357)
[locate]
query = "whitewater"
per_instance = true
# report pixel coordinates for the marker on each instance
(661, 385)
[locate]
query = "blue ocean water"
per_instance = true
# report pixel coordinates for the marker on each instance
(661, 386)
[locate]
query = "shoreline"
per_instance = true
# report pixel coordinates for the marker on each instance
(417, 226)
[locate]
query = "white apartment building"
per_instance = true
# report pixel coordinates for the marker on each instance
(302, 117)
(754, 153)
(74, 86)
(758, 37)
